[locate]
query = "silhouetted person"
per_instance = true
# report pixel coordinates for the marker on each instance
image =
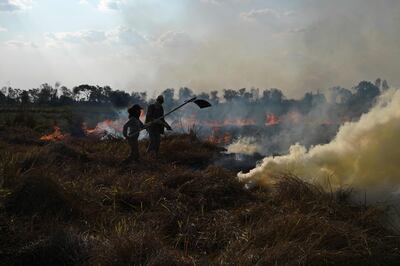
(156, 127)
(131, 132)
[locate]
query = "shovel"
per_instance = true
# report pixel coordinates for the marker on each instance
(199, 102)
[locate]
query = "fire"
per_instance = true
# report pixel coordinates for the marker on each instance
(57, 135)
(220, 138)
(271, 120)
(107, 127)
(89, 131)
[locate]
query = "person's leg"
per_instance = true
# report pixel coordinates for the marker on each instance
(134, 152)
(151, 147)
(157, 142)
(135, 149)
(130, 156)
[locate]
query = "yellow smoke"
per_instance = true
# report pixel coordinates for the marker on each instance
(244, 146)
(364, 155)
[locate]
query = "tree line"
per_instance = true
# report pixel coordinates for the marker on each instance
(359, 98)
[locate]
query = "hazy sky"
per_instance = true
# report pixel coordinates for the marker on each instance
(295, 45)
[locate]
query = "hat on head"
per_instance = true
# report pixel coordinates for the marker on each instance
(135, 110)
(160, 99)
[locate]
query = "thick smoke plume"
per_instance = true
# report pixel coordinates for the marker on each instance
(363, 155)
(244, 146)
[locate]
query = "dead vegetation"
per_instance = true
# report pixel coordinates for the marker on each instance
(75, 203)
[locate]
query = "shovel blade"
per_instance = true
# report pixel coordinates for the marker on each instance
(202, 103)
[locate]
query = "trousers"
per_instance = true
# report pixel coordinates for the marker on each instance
(134, 153)
(155, 140)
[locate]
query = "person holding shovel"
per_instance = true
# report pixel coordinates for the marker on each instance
(131, 132)
(156, 124)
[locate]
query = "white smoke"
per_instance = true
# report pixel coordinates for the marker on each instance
(247, 146)
(364, 155)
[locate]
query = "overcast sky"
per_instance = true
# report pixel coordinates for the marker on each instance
(295, 45)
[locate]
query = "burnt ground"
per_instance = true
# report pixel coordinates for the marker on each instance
(75, 203)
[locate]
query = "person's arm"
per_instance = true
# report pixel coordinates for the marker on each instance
(165, 124)
(162, 120)
(141, 125)
(125, 130)
(135, 128)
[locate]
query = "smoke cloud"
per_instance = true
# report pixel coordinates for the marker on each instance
(300, 46)
(363, 155)
(244, 146)
(206, 45)
(347, 40)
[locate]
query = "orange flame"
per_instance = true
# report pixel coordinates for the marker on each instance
(57, 135)
(220, 138)
(271, 120)
(106, 126)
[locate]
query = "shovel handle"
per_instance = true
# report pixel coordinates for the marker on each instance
(146, 126)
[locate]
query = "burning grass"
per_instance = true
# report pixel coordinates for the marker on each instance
(75, 203)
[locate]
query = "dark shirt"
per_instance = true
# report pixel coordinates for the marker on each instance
(155, 111)
(132, 128)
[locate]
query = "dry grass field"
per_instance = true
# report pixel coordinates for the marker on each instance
(74, 203)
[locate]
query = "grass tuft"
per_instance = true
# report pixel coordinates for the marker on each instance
(41, 196)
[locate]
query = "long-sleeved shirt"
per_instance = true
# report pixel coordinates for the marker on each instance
(154, 112)
(132, 128)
